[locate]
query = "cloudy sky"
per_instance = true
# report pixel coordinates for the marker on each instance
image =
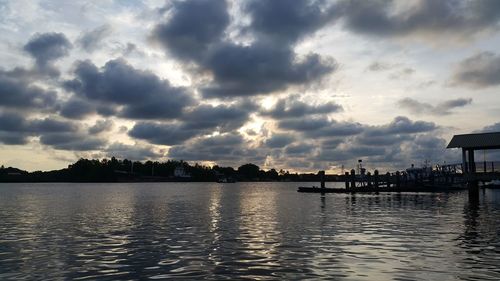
(298, 85)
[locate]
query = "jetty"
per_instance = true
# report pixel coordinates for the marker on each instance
(440, 178)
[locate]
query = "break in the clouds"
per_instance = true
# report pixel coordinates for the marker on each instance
(306, 85)
(441, 108)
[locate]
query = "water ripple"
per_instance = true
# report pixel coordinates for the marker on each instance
(257, 231)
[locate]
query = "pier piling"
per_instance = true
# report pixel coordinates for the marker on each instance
(322, 178)
(353, 178)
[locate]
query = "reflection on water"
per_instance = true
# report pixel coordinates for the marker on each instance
(243, 230)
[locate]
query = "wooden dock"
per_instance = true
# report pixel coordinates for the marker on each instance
(306, 189)
(412, 180)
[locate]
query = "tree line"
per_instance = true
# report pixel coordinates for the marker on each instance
(115, 170)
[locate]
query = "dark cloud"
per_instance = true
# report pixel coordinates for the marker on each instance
(59, 134)
(392, 152)
(13, 138)
(279, 140)
(479, 71)
(342, 143)
(383, 140)
(92, 40)
(331, 143)
(321, 127)
(299, 149)
(427, 18)
(442, 108)
(197, 121)
(195, 33)
(428, 147)
(13, 129)
(221, 140)
(226, 148)
(16, 129)
(222, 118)
(142, 94)
(48, 125)
(401, 125)
(72, 141)
(163, 133)
(293, 108)
(16, 91)
(11, 122)
(106, 110)
(339, 129)
(304, 124)
(76, 108)
(491, 128)
(278, 20)
(47, 47)
(101, 126)
(349, 153)
(15, 122)
(193, 27)
(133, 152)
(258, 69)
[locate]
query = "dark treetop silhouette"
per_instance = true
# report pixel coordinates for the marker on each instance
(114, 170)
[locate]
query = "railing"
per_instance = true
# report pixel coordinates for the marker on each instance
(481, 167)
(487, 167)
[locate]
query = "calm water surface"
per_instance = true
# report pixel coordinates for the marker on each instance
(243, 231)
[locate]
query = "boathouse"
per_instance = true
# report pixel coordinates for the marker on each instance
(472, 142)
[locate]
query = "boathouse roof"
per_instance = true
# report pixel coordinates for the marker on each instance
(476, 141)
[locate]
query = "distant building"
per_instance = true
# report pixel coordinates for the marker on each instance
(180, 172)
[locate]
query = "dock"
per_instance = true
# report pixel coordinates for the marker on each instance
(441, 178)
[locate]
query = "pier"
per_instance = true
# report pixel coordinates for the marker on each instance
(461, 176)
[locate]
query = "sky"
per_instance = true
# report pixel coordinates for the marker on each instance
(296, 85)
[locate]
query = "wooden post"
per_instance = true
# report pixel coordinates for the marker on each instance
(465, 169)
(346, 180)
(375, 178)
(472, 170)
(388, 179)
(353, 179)
(472, 162)
(398, 179)
(322, 178)
(369, 179)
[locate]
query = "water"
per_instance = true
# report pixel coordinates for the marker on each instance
(243, 231)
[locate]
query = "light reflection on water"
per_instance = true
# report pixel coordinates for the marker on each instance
(243, 230)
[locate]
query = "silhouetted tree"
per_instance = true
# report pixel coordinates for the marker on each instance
(248, 171)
